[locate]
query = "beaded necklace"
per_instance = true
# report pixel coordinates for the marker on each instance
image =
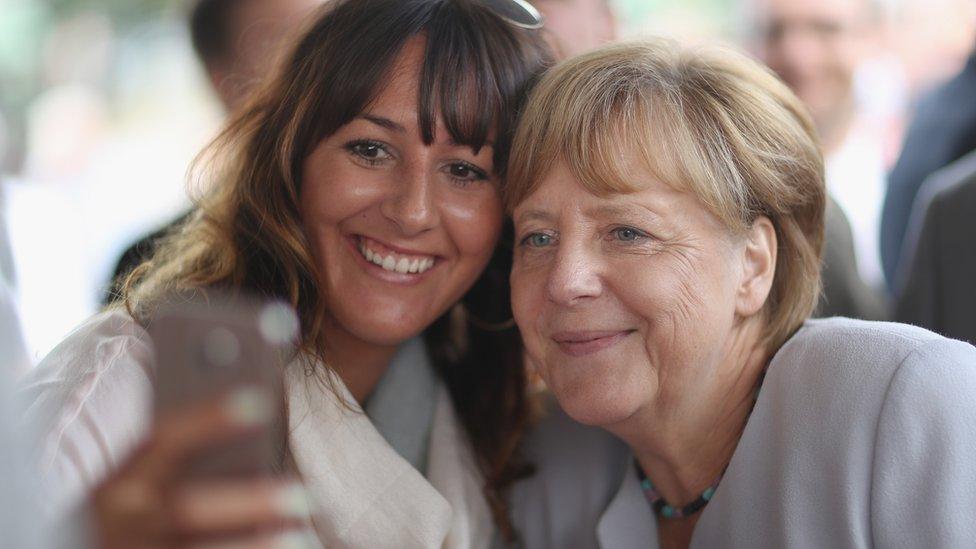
(662, 507)
(666, 510)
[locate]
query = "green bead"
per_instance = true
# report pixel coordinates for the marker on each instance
(646, 484)
(667, 511)
(707, 494)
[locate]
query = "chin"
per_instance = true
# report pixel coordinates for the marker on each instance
(595, 403)
(383, 330)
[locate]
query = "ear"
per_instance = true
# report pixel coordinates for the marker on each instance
(758, 267)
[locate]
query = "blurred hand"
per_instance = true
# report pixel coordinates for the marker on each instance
(147, 502)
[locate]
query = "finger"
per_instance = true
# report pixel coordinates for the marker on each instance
(181, 434)
(217, 508)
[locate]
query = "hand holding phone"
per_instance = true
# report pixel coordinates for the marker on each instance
(211, 345)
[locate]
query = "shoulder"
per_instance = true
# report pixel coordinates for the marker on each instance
(843, 369)
(871, 364)
(957, 197)
(102, 348)
(924, 447)
(936, 380)
(845, 340)
(89, 400)
(872, 361)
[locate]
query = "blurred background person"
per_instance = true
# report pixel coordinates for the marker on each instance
(236, 42)
(573, 27)
(942, 131)
(817, 47)
(935, 282)
(19, 514)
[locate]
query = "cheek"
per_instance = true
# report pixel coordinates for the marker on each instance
(474, 223)
(528, 291)
(683, 300)
(327, 197)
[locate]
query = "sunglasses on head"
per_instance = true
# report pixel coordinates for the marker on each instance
(517, 12)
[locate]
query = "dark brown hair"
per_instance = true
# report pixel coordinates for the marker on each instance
(246, 232)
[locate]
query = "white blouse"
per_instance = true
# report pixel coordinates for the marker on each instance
(91, 401)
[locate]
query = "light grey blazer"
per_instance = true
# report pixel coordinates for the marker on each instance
(863, 435)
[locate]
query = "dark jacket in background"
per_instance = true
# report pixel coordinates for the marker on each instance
(939, 292)
(942, 131)
(844, 291)
(134, 255)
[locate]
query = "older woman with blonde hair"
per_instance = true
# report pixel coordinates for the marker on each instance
(669, 208)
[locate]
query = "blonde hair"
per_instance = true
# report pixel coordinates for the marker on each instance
(705, 120)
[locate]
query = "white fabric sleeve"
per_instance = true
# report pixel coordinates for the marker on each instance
(924, 479)
(89, 403)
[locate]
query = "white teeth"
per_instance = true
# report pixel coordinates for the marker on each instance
(395, 262)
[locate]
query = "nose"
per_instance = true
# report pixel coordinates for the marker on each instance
(410, 206)
(575, 275)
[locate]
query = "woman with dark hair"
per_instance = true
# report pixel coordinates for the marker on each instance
(361, 186)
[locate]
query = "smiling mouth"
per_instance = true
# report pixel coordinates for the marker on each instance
(579, 344)
(393, 261)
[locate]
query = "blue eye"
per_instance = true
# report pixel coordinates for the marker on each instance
(627, 234)
(537, 240)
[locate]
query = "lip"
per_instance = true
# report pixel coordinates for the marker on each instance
(403, 279)
(397, 249)
(585, 343)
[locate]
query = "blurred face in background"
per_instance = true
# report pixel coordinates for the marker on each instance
(815, 47)
(573, 27)
(257, 31)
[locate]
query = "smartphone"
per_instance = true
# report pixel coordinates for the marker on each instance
(208, 345)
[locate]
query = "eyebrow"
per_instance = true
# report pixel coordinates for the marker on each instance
(385, 123)
(618, 211)
(534, 215)
(388, 124)
(610, 211)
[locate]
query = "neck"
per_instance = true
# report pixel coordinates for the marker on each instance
(359, 364)
(684, 447)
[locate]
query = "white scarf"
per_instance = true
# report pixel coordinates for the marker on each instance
(363, 494)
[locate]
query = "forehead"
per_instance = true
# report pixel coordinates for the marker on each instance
(400, 93)
(398, 98)
(561, 190)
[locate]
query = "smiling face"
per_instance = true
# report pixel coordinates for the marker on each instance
(815, 46)
(627, 302)
(399, 229)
